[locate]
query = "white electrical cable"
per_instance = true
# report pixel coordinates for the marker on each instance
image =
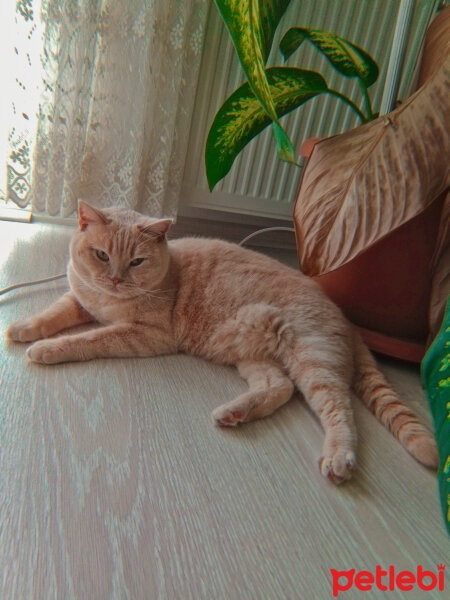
(28, 283)
(252, 235)
(47, 279)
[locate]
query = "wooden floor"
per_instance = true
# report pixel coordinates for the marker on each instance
(115, 484)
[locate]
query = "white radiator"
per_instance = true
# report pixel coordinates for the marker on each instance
(259, 184)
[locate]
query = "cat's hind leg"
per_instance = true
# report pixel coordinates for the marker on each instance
(269, 388)
(331, 402)
(321, 370)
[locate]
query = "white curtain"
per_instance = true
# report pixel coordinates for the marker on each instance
(106, 114)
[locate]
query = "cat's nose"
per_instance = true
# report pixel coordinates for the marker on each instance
(116, 280)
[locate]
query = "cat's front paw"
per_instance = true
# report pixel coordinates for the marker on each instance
(46, 352)
(28, 330)
(339, 467)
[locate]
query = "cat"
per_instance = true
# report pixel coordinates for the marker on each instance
(231, 305)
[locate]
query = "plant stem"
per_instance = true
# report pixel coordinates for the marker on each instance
(296, 164)
(352, 105)
(367, 102)
(293, 162)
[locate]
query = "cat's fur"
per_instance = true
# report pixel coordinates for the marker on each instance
(230, 305)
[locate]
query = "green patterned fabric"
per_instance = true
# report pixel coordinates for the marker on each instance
(436, 379)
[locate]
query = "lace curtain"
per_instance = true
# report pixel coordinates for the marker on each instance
(102, 102)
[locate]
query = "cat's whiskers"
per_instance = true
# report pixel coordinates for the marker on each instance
(160, 293)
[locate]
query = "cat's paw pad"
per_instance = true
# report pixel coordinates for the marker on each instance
(46, 352)
(226, 417)
(339, 467)
(28, 330)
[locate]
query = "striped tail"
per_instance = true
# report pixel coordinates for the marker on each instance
(371, 386)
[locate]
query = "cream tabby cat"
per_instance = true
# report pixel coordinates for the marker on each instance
(230, 305)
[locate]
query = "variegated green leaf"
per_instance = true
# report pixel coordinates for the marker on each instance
(252, 24)
(347, 58)
(242, 117)
(270, 12)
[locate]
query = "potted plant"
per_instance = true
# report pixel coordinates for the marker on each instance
(271, 93)
(369, 207)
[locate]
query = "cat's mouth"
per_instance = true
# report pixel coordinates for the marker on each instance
(117, 289)
(108, 287)
(120, 290)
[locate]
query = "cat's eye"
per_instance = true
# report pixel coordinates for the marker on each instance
(136, 262)
(102, 255)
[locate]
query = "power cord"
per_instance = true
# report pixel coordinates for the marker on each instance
(54, 278)
(28, 283)
(267, 229)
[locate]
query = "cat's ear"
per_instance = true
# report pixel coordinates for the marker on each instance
(157, 229)
(88, 215)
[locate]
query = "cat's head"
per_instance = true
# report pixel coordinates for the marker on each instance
(120, 252)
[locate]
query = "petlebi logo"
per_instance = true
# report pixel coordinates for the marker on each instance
(388, 580)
